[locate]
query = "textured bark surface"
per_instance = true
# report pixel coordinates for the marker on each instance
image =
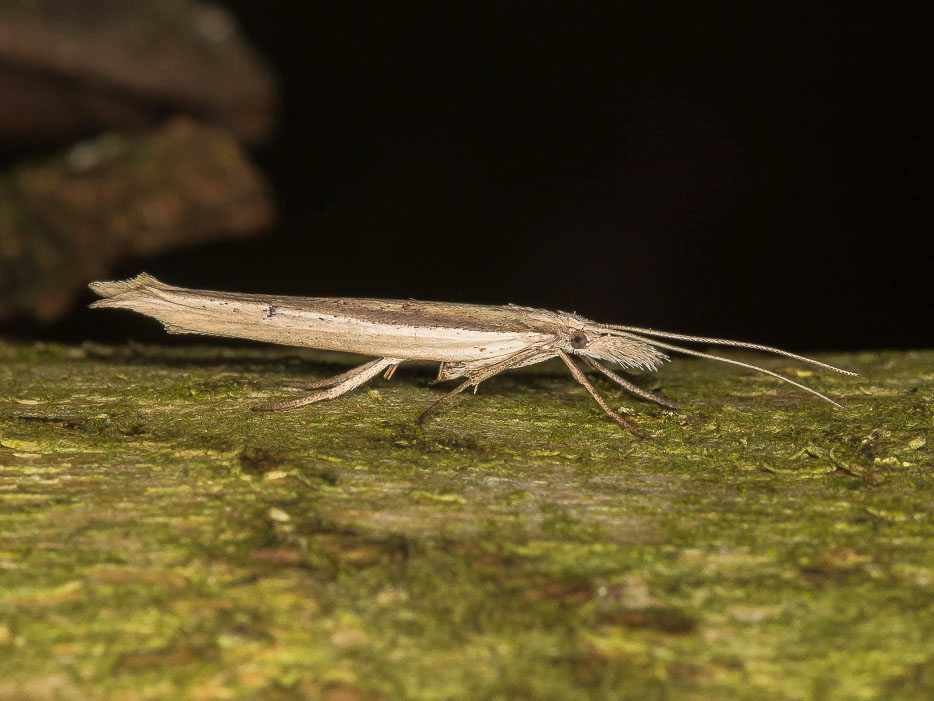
(65, 221)
(72, 67)
(158, 540)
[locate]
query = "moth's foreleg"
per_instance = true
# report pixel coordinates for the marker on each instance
(579, 376)
(347, 381)
(629, 386)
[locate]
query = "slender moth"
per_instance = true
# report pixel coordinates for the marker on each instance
(469, 341)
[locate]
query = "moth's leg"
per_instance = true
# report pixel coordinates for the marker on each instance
(328, 381)
(310, 384)
(513, 361)
(449, 371)
(438, 402)
(579, 376)
(628, 386)
(350, 380)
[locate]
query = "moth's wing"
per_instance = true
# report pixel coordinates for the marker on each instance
(470, 317)
(144, 291)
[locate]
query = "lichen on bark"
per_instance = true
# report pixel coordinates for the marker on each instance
(159, 540)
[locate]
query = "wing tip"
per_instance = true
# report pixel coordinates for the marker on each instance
(109, 289)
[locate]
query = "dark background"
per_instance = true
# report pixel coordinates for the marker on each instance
(749, 174)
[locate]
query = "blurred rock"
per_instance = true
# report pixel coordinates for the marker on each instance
(71, 68)
(65, 221)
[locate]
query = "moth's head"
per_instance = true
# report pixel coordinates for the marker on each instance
(582, 337)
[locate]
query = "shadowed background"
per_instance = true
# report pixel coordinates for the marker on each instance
(741, 173)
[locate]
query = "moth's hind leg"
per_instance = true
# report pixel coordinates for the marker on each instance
(336, 386)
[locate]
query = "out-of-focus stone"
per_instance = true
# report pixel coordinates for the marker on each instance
(65, 221)
(71, 68)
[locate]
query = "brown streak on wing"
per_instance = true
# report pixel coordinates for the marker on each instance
(473, 317)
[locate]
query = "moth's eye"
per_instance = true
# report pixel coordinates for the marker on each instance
(578, 340)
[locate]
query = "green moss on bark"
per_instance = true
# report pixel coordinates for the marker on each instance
(158, 539)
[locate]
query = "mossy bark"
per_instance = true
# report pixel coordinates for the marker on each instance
(159, 540)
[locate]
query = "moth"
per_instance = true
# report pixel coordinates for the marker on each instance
(471, 342)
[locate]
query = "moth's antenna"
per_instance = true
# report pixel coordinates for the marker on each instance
(727, 342)
(688, 351)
